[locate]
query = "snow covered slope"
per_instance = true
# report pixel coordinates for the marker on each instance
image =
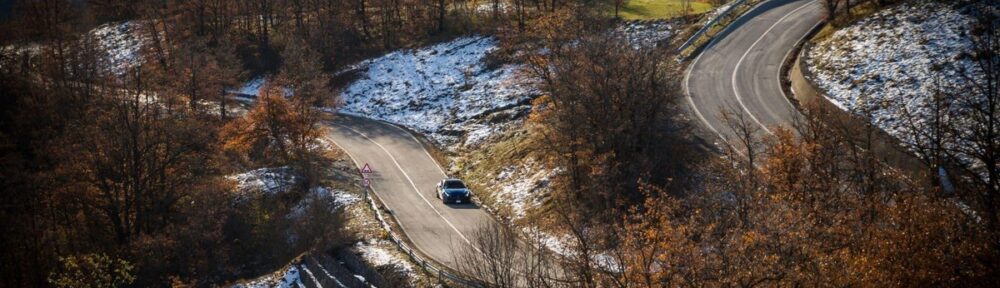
(891, 63)
(447, 92)
(444, 91)
(521, 187)
(119, 44)
(382, 253)
(122, 42)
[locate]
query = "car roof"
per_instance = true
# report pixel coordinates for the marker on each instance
(453, 179)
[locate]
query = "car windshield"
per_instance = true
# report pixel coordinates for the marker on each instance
(454, 184)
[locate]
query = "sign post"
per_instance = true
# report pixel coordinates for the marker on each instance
(365, 182)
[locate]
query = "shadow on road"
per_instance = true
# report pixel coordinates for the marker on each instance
(463, 206)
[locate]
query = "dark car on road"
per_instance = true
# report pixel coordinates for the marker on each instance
(453, 191)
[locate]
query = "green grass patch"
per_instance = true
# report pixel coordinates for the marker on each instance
(824, 33)
(719, 26)
(659, 9)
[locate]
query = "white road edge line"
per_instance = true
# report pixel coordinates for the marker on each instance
(308, 273)
(742, 58)
(414, 186)
(687, 92)
(787, 54)
(323, 269)
(687, 83)
(436, 164)
(358, 165)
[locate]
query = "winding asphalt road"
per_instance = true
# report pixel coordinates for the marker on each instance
(405, 177)
(738, 70)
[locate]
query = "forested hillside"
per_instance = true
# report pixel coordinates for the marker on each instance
(120, 134)
(188, 143)
(119, 139)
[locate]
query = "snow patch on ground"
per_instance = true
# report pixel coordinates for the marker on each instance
(250, 88)
(607, 262)
(448, 93)
(119, 43)
(521, 187)
(645, 33)
(444, 91)
(122, 43)
(283, 279)
(266, 180)
(376, 254)
(486, 7)
(556, 244)
(337, 199)
(563, 246)
(278, 180)
(894, 61)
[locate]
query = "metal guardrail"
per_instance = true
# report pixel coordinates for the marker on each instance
(712, 22)
(427, 265)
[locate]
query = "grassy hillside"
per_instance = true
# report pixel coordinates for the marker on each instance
(659, 9)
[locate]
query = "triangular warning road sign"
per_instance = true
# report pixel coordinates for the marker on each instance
(367, 169)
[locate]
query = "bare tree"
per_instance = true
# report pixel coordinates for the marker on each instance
(442, 8)
(499, 257)
(961, 126)
(618, 6)
(746, 133)
(831, 6)
(492, 256)
(982, 99)
(607, 118)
